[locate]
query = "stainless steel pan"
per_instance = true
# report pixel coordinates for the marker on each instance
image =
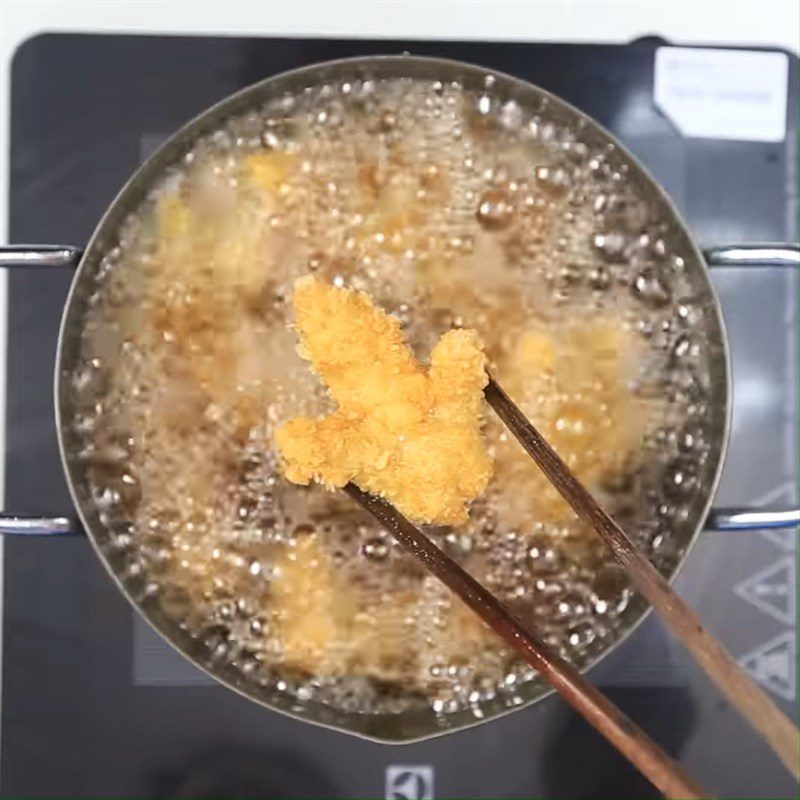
(699, 512)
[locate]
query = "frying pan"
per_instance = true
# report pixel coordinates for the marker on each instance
(698, 511)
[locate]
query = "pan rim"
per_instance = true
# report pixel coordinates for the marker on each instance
(162, 158)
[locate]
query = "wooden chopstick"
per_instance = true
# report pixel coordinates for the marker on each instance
(597, 709)
(753, 703)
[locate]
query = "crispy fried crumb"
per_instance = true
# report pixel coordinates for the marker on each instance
(401, 431)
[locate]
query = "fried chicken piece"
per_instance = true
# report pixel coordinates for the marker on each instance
(574, 387)
(307, 606)
(400, 431)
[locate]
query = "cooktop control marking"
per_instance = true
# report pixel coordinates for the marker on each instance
(773, 590)
(409, 782)
(774, 665)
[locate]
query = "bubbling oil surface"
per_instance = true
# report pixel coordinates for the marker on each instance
(450, 208)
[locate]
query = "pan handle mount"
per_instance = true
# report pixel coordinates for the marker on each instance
(752, 256)
(19, 524)
(40, 256)
(720, 519)
(752, 519)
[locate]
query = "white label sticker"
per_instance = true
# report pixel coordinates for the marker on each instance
(723, 94)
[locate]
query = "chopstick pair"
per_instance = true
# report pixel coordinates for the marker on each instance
(753, 703)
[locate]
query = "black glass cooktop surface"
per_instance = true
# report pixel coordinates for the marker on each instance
(95, 705)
